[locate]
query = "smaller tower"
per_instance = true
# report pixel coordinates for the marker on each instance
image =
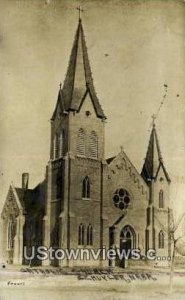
(158, 211)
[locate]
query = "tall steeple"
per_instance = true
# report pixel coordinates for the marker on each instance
(153, 161)
(78, 81)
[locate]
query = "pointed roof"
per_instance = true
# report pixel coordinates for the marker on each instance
(23, 201)
(78, 80)
(153, 161)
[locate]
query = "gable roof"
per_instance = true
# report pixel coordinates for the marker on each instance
(122, 161)
(25, 200)
(33, 201)
(153, 161)
(12, 203)
(78, 78)
(25, 196)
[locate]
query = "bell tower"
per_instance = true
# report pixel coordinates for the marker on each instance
(74, 172)
(159, 214)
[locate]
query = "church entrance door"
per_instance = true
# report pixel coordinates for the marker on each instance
(127, 243)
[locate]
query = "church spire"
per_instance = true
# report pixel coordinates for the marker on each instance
(153, 161)
(78, 81)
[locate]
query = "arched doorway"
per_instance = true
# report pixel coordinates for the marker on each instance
(127, 243)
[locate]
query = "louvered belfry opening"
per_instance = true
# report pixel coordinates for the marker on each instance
(81, 142)
(161, 199)
(93, 145)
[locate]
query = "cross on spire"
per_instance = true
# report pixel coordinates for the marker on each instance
(80, 10)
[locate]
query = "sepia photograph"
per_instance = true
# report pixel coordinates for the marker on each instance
(92, 149)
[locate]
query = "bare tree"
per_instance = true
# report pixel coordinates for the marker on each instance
(178, 243)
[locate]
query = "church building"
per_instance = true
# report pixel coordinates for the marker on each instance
(86, 200)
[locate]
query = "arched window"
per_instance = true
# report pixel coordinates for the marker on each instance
(56, 152)
(11, 234)
(161, 199)
(90, 235)
(81, 233)
(93, 145)
(61, 138)
(81, 142)
(86, 188)
(161, 239)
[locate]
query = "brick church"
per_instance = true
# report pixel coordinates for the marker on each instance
(87, 200)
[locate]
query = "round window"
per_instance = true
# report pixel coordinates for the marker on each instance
(121, 199)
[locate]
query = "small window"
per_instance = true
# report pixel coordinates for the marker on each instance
(61, 144)
(161, 199)
(81, 233)
(90, 235)
(148, 216)
(86, 188)
(56, 148)
(81, 142)
(93, 145)
(161, 239)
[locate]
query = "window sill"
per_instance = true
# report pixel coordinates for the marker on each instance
(88, 157)
(81, 246)
(85, 246)
(56, 159)
(86, 199)
(94, 158)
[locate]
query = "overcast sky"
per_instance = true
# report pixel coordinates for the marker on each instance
(144, 46)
